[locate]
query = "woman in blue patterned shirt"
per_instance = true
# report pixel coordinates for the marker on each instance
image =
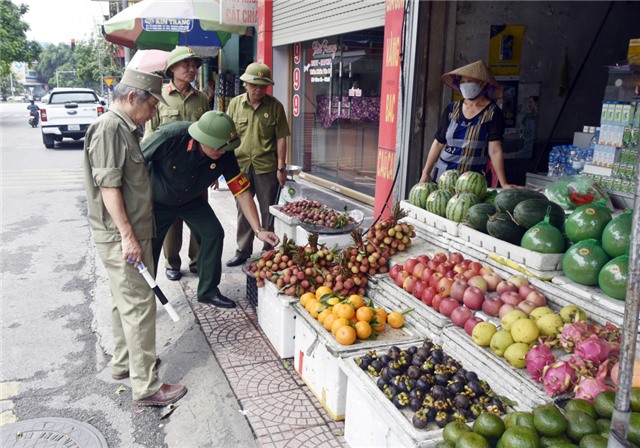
(470, 130)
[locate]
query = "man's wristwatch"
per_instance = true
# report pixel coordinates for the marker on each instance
(258, 230)
(282, 170)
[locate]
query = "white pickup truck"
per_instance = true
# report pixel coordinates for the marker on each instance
(68, 113)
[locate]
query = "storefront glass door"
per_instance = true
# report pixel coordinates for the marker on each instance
(336, 129)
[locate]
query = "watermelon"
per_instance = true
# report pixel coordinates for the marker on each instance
(504, 228)
(459, 205)
(437, 202)
(448, 179)
(419, 193)
(507, 200)
(472, 182)
(530, 212)
(478, 215)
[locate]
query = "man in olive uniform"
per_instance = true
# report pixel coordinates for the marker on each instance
(184, 103)
(184, 159)
(262, 154)
(121, 220)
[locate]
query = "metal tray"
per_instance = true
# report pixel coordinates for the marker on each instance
(357, 215)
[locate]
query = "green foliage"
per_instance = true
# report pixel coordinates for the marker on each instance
(14, 45)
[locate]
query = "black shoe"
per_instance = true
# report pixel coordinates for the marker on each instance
(236, 261)
(218, 300)
(173, 274)
(193, 269)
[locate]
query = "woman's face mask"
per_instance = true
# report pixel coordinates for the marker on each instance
(470, 90)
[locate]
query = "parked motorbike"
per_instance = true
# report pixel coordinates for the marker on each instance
(34, 119)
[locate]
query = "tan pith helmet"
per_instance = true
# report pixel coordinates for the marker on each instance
(180, 54)
(476, 70)
(257, 73)
(216, 130)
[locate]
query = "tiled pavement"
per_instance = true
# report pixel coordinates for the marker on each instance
(280, 408)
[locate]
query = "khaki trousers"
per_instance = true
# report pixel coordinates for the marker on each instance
(264, 187)
(133, 318)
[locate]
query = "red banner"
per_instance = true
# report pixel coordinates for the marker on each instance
(389, 105)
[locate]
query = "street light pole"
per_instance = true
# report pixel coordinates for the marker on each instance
(127, 51)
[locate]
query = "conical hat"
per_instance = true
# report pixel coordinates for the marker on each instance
(476, 70)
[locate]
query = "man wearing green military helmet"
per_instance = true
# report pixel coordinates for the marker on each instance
(184, 159)
(184, 103)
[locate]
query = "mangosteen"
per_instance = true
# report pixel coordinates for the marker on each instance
(495, 401)
(412, 350)
(390, 391)
(476, 409)
(394, 369)
(461, 401)
(428, 345)
(471, 376)
(413, 372)
(429, 378)
(431, 413)
(417, 360)
(416, 393)
(428, 401)
(364, 362)
(415, 404)
(423, 352)
(439, 392)
(493, 409)
(475, 388)
(442, 418)
(381, 383)
(384, 373)
(459, 377)
(420, 419)
(442, 405)
(437, 356)
(375, 367)
(461, 415)
(422, 385)
(427, 366)
(455, 387)
(384, 359)
(441, 379)
(400, 400)
(393, 348)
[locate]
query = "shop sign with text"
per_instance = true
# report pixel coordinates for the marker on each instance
(239, 12)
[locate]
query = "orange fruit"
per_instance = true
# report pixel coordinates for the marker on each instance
(333, 301)
(363, 329)
(323, 291)
(347, 311)
(356, 300)
(323, 315)
(382, 312)
(345, 335)
(304, 298)
(314, 308)
(395, 319)
(364, 313)
(328, 321)
(310, 305)
(337, 323)
(381, 322)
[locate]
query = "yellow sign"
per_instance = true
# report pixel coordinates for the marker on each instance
(505, 48)
(108, 81)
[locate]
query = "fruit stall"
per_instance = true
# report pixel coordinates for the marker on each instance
(465, 304)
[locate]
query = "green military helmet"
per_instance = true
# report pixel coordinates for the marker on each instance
(180, 54)
(257, 73)
(216, 130)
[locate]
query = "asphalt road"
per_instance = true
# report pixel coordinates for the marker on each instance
(56, 341)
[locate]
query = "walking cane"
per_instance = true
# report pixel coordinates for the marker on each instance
(156, 289)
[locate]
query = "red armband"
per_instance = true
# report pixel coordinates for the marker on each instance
(238, 184)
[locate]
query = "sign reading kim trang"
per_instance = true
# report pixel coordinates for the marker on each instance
(239, 12)
(176, 25)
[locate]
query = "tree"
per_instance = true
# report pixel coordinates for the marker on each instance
(14, 45)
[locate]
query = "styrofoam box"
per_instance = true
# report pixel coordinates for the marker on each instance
(330, 240)
(505, 379)
(277, 319)
(431, 219)
(526, 257)
(317, 354)
(373, 421)
(283, 224)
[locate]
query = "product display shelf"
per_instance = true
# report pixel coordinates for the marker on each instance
(446, 226)
(317, 354)
(283, 224)
(507, 380)
(402, 299)
(277, 318)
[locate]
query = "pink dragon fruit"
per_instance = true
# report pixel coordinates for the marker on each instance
(539, 357)
(613, 335)
(593, 349)
(558, 378)
(573, 334)
(590, 386)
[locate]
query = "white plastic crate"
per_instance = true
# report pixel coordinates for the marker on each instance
(283, 224)
(527, 258)
(373, 421)
(330, 240)
(504, 379)
(431, 219)
(317, 355)
(277, 319)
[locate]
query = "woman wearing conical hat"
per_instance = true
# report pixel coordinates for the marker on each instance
(470, 130)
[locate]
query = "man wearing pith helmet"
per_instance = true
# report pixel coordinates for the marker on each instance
(184, 103)
(184, 159)
(262, 154)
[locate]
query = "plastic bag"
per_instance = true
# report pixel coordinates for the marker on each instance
(573, 191)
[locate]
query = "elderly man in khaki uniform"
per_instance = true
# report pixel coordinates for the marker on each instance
(184, 103)
(119, 198)
(262, 125)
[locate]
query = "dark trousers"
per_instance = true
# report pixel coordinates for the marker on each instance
(173, 244)
(264, 187)
(208, 232)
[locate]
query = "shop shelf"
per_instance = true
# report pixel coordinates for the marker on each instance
(442, 224)
(317, 355)
(277, 319)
